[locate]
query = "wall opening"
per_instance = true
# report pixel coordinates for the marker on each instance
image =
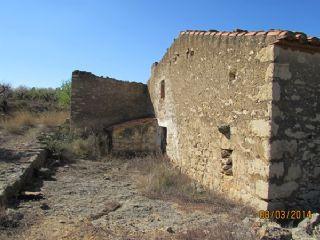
(163, 139)
(232, 75)
(162, 89)
(226, 162)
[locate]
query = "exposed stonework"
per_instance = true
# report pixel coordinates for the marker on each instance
(264, 87)
(296, 115)
(17, 170)
(239, 111)
(119, 110)
(136, 136)
(98, 102)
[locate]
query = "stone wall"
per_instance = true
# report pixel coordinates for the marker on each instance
(98, 102)
(295, 146)
(241, 111)
(136, 136)
(217, 110)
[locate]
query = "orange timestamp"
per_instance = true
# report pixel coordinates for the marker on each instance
(285, 215)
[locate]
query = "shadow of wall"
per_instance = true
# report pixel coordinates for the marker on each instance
(295, 144)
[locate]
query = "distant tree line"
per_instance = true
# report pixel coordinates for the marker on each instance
(60, 95)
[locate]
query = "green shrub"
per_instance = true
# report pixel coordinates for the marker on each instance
(64, 94)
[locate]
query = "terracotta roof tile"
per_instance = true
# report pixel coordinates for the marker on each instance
(261, 33)
(273, 33)
(241, 34)
(279, 36)
(314, 41)
(233, 34)
(251, 33)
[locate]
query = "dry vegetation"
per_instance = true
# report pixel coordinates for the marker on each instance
(158, 179)
(19, 122)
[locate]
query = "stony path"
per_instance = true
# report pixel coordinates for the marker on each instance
(19, 155)
(95, 200)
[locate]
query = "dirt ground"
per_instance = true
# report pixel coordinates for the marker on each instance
(103, 200)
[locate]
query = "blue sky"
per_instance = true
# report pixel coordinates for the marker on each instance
(43, 41)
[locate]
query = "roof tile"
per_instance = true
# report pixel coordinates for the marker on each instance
(314, 41)
(273, 33)
(233, 34)
(241, 33)
(282, 36)
(251, 33)
(261, 33)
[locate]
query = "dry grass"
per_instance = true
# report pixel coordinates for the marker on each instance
(3, 214)
(68, 148)
(21, 121)
(84, 147)
(158, 179)
(51, 119)
(18, 123)
(220, 231)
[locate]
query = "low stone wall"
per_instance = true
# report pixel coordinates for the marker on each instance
(137, 136)
(16, 172)
(98, 102)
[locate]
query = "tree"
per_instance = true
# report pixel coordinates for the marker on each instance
(5, 90)
(64, 94)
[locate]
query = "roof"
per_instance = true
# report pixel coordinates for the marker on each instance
(282, 37)
(131, 123)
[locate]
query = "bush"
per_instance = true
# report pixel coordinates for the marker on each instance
(34, 94)
(65, 145)
(64, 94)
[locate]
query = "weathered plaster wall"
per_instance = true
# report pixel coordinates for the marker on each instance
(213, 82)
(137, 136)
(98, 102)
(295, 148)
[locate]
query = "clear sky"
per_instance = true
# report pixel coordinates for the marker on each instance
(43, 41)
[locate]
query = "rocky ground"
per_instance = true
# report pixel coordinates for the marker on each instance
(95, 200)
(87, 199)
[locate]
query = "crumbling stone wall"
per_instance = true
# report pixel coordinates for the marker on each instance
(98, 102)
(221, 93)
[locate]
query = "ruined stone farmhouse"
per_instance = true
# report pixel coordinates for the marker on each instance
(236, 111)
